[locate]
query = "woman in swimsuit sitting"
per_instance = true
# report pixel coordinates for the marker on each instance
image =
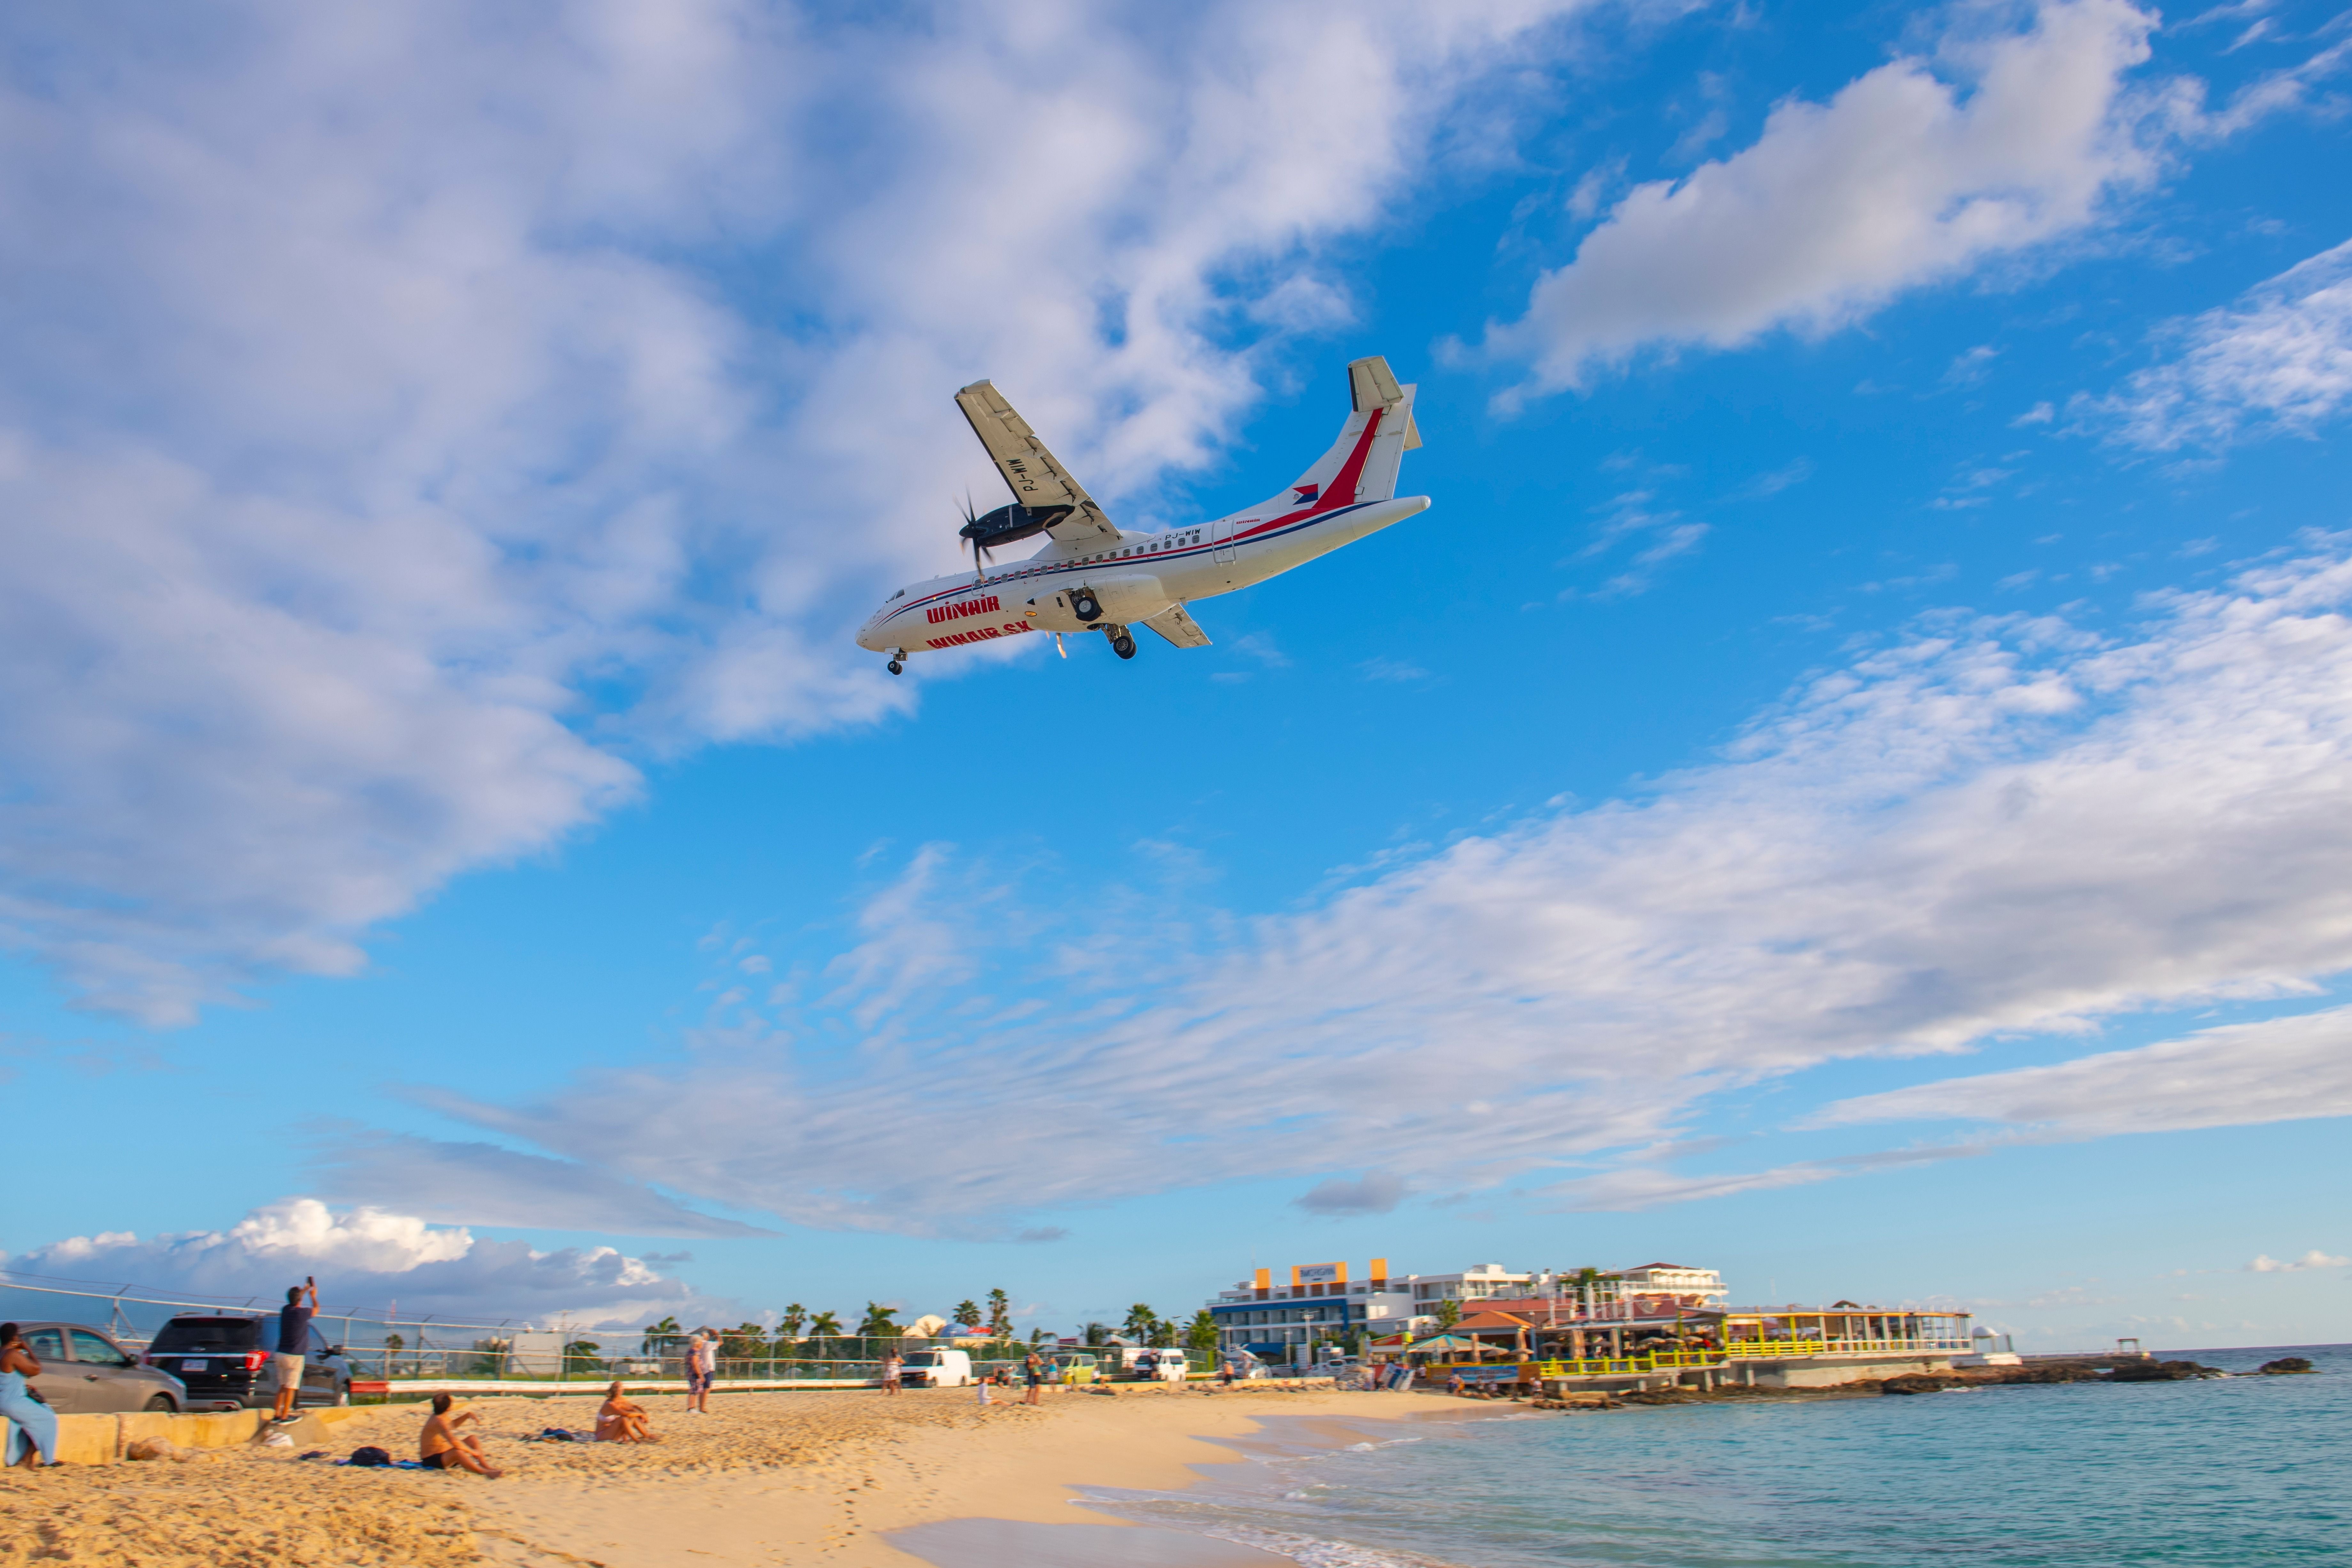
(620, 1419)
(442, 1450)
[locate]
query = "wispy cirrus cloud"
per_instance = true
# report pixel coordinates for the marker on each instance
(2278, 361)
(1990, 827)
(2278, 1070)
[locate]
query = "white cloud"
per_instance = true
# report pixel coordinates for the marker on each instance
(2280, 360)
(2265, 1264)
(1995, 826)
(485, 1185)
(365, 1258)
(2279, 1069)
(1901, 179)
(410, 418)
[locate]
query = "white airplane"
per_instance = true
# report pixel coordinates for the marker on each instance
(1091, 576)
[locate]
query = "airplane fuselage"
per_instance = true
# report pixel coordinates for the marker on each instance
(1132, 580)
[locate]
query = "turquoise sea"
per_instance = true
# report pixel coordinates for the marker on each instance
(2232, 1471)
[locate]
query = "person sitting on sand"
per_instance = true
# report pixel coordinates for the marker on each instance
(620, 1419)
(30, 1424)
(442, 1448)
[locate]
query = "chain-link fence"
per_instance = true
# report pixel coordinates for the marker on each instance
(388, 1348)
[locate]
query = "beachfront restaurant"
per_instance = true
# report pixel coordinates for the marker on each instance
(1546, 1343)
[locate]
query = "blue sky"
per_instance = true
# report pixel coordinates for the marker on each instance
(1844, 783)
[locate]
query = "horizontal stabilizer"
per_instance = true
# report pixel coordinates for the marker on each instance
(1179, 628)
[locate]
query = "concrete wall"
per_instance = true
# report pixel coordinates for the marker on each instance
(100, 1439)
(1830, 1372)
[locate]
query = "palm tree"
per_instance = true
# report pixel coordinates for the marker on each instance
(825, 1326)
(1140, 1321)
(877, 1323)
(966, 1315)
(1449, 1312)
(1097, 1334)
(1200, 1334)
(583, 1355)
(663, 1337)
(744, 1342)
(1000, 1315)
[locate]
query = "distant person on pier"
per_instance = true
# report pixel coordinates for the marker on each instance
(620, 1419)
(441, 1448)
(294, 1345)
(31, 1425)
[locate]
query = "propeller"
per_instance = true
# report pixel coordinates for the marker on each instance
(982, 558)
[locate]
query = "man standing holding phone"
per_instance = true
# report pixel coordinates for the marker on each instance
(293, 1343)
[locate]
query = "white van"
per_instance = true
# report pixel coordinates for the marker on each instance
(937, 1369)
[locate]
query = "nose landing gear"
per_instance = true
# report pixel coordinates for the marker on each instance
(898, 662)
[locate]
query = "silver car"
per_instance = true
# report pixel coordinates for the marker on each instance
(84, 1373)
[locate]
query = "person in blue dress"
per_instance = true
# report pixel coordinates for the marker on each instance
(31, 1426)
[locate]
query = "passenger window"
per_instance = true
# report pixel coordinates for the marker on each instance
(46, 1344)
(92, 1351)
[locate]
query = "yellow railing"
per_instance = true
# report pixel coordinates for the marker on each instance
(1668, 1360)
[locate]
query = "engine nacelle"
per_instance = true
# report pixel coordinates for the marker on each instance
(1011, 524)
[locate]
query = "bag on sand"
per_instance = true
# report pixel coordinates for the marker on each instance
(372, 1457)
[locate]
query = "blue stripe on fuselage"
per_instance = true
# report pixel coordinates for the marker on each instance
(1036, 572)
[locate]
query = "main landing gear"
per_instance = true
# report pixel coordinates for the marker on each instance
(1121, 643)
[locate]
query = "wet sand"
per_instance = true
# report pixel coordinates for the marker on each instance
(766, 1478)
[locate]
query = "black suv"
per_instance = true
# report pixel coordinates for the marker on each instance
(225, 1363)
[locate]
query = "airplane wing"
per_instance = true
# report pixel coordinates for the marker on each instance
(1037, 481)
(1179, 628)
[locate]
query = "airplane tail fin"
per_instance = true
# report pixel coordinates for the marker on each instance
(1361, 465)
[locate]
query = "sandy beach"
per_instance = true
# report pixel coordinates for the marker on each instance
(765, 1478)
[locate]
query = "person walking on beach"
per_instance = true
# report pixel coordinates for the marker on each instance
(1033, 1370)
(441, 1448)
(893, 1371)
(1225, 1375)
(701, 1367)
(293, 1345)
(31, 1425)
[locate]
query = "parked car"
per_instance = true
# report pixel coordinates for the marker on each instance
(85, 1372)
(1141, 1364)
(936, 1369)
(225, 1363)
(1076, 1366)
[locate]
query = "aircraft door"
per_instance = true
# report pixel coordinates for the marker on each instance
(1221, 535)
